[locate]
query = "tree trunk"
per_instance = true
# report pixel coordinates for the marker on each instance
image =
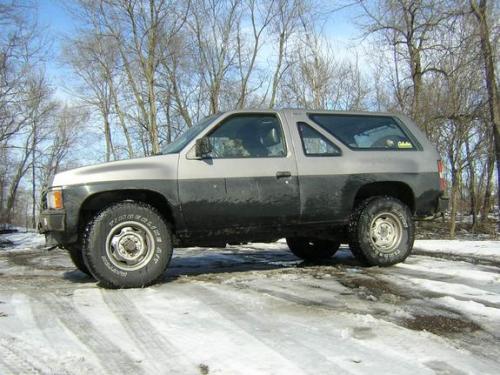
(214, 97)
(181, 106)
(455, 180)
(11, 197)
(416, 73)
(472, 185)
(490, 168)
(110, 151)
(480, 11)
(277, 72)
(121, 118)
(33, 188)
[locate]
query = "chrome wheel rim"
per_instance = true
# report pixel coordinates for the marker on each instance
(386, 231)
(130, 245)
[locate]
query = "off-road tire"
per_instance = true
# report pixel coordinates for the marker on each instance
(75, 253)
(99, 253)
(362, 240)
(312, 249)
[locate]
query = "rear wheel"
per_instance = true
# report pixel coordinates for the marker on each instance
(127, 245)
(312, 249)
(75, 253)
(381, 231)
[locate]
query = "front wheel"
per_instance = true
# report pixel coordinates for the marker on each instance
(75, 253)
(312, 249)
(127, 245)
(381, 231)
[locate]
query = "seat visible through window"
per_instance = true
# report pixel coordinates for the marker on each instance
(248, 136)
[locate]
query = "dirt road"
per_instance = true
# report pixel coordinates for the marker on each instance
(253, 309)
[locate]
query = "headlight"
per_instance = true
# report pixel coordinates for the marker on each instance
(55, 199)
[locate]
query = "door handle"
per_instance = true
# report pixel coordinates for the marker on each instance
(283, 174)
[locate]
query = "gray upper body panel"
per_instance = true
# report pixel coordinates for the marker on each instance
(148, 168)
(351, 161)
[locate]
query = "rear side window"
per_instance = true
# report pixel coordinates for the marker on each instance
(314, 143)
(365, 132)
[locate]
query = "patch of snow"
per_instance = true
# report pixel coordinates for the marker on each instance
(442, 270)
(23, 239)
(489, 249)
(471, 308)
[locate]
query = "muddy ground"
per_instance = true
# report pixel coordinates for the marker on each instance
(253, 309)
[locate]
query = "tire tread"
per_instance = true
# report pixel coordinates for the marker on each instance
(96, 220)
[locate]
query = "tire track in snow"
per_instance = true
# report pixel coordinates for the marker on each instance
(471, 259)
(16, 360)
(76, 353)
(305, 358)
(209, 338)
(422, 287)
(111, 357)
(321, 298)
(26, 339)
(161, 353)
(382, 348)
(487, 286)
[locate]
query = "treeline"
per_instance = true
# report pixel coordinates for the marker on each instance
(36, 131)
(144, 71)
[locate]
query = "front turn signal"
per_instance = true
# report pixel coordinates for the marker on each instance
(55, 199)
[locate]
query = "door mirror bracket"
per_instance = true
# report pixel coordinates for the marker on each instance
(203, 148)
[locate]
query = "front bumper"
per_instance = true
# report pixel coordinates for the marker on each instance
(53, 224)
(52, 221)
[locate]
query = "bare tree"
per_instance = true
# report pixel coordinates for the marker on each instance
(317, 79)
(179, 80)
(19, 51)
(37, 105)
(24, 98)
(139, 29)
(41, 108)
(261, 15)
(407, 26)
(487, 178)
(480, 11)
(92, 59)
(214, 27)
(65, 130)
(287, 21)
(458, 108)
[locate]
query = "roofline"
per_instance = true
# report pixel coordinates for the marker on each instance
(303, 111)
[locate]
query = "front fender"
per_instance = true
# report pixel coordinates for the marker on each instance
(78, 199)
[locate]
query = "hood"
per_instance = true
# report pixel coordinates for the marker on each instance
(161, 167)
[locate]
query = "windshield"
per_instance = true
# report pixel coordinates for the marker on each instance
(186, 137)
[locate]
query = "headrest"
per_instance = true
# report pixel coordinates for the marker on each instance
(271, 137)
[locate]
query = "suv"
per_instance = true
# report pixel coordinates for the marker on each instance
(318, 178)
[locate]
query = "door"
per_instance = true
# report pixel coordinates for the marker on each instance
(248, 180)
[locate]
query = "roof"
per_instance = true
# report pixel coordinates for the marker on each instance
(303, 111)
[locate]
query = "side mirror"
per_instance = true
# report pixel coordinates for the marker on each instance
(203, 147)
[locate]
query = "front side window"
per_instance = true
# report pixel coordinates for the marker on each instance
(314, 143)
(365, 132)
(248, 136)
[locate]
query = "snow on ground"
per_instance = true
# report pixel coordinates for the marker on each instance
(254, 309)
(21, 240)
(479, 249)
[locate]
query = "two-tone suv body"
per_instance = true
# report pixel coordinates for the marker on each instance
(318, 178)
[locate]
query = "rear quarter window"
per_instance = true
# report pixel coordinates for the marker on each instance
(364, 132)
